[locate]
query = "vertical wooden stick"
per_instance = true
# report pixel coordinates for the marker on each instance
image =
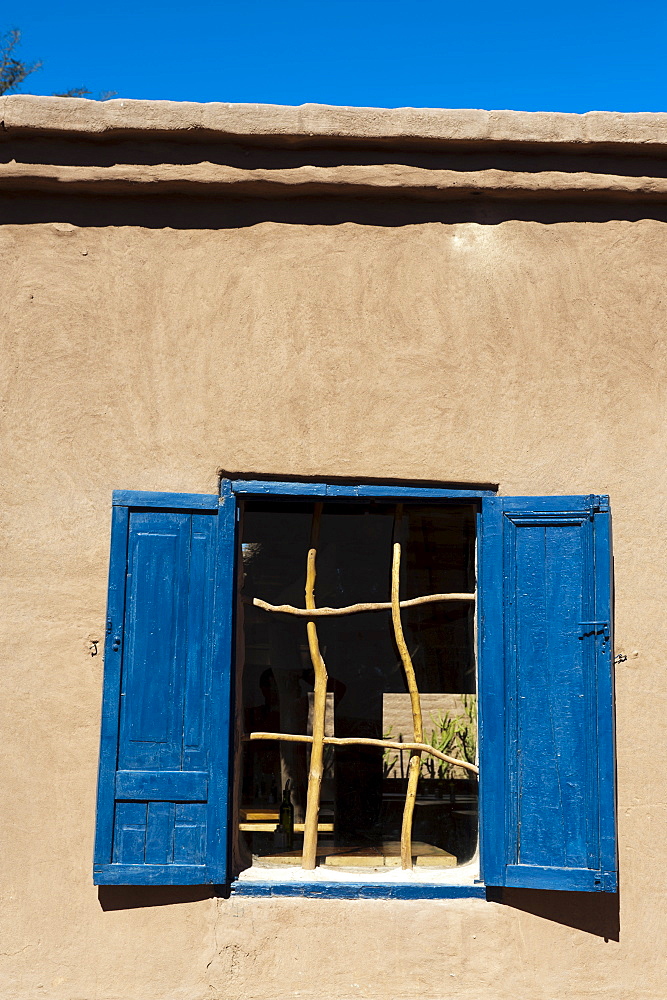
(414, 765)
(309, 857)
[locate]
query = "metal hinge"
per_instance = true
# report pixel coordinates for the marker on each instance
(599, 504)
(610, 881)
(116, 641)
(605, 881)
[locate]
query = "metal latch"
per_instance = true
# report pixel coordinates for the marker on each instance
(595, 628)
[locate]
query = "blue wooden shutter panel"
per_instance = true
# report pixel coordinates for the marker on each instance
(546, 699)
(163, 783)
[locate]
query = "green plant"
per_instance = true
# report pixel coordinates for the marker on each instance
(389, 756)
(455, 735)
(468, 731)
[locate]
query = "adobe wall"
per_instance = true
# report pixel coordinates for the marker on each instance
(470, 346)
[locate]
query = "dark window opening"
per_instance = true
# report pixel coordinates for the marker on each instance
(363, 788)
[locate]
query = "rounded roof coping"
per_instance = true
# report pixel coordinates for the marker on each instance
(317, 124)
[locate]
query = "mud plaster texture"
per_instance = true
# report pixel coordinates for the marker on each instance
(147, 344)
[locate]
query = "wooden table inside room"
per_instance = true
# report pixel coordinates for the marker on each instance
(264, 820)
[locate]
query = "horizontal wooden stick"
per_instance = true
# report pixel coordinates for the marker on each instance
(396, 745)
(249, 827)
(354, 741)
(352, 609)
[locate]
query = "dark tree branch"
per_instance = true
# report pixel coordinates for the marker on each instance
(13, 71)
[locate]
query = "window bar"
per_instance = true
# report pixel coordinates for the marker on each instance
(352, 609)
(309, 856)
(414, 764)
(345, 741)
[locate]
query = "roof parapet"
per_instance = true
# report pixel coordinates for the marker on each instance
(315, 124)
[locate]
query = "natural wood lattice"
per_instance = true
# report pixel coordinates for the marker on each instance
(318, 740)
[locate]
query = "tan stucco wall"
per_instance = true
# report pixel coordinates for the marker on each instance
(524, 353)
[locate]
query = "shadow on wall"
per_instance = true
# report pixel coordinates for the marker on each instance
(593, 912)
(191, 212)
(153, 152)
(352, 480)
(132, 897)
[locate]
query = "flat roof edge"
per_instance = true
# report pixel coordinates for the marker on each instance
(315, 124)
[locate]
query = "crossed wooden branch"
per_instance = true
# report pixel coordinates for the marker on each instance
(318, 739)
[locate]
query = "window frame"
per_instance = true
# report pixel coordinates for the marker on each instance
(251, 489)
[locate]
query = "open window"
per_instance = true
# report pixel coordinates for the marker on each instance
(379, 675)
(490, 652)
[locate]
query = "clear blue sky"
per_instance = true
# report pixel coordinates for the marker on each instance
(536, 56)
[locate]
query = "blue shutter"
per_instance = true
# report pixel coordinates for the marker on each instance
(546, 698)
(164, 759)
